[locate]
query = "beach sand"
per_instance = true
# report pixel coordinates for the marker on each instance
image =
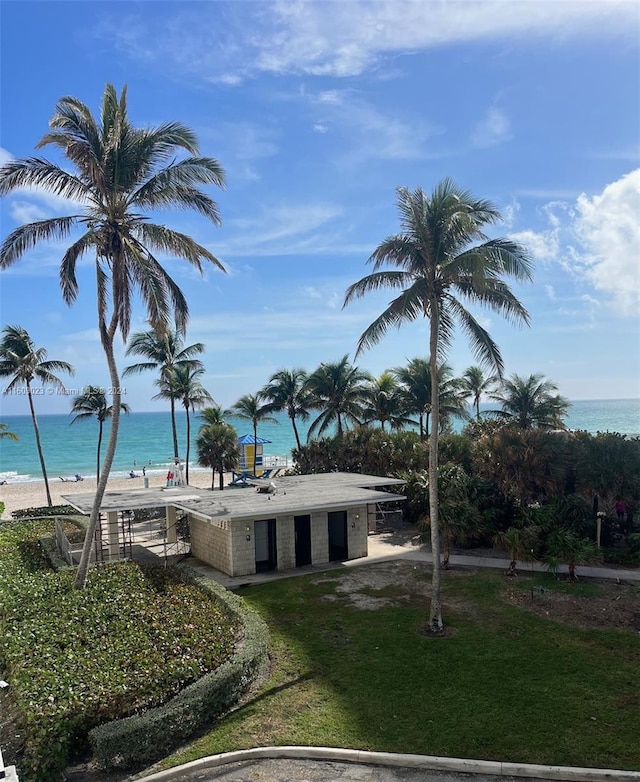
(32, 494)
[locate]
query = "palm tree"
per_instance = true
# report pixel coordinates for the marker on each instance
(181, 383)
(212, 415)
(5, 434)
(218, 448)
(119, 172)
(23, 362)
(530, 402)
(249, 408)
(476, 383)
(338, 389)
(519, 542)
(94, 403)
(415, 381)
(287, 390)
(438, 269)
(163, 350)
(385, 404)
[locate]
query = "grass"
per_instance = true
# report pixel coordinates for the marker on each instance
(505, 685)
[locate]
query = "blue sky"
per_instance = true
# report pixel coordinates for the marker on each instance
(318, 111)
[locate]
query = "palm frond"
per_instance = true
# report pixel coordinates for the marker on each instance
(161, 238)
(483, 347)
(68, 281)
(27, 236)
(37, 172)
(373, 282)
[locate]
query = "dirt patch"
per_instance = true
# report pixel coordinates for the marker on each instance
(400, 581)
(617, 609)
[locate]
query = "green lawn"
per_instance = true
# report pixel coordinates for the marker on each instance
(504, 685)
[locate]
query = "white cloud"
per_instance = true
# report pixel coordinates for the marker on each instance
(596, 239)
(542, 245)
(493, 129)
(24, 212)
(550, 291)
(320, 128)
(346, 39)
(607, 229)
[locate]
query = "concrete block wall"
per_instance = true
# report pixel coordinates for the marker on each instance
(357, 532)
(286, 542)
(211, 542)
(319, 537)
(243, 548)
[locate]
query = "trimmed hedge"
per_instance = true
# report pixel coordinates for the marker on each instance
(144, 738)
(44, 512)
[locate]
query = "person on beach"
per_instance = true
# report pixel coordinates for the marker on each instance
(169, 478)
(78, 477)
(132, 474)
(144, 470)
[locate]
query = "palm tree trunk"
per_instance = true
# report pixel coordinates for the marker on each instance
(98, 454)
(106, 337)
(36, 430)
(421, 427)
(174, 429)
(435, 615)
(221, 478)
(255, 444)
(186, 407)
(295, 430)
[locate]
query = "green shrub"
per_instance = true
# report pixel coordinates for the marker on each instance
(43, 512)
(141, 739)
(131, 640)
(2, 506)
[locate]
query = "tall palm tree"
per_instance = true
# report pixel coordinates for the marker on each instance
(475, 383)
(250, 408)
(530, 402)
(218, 448)
(339, 389)
(119, 172)
(24, 363)
(93, 403)
(385, 403)
(182, 383)
(438, 268)
(163, 349)
(6, 434)
(287, 390)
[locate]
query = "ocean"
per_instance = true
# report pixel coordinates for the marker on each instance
(145, 439)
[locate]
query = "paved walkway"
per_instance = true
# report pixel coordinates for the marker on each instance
(327, 771)
(404, 544)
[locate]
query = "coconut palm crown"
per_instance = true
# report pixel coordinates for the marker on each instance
(93, 404)
(25, 364)
(163, 350)
(118, 173)
(442, 260)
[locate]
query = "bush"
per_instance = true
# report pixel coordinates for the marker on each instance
(44, 512)
(141, 739)
(131, 640)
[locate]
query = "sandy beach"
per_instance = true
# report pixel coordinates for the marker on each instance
(32, 494)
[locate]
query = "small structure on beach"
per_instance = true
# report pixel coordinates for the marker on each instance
(286, 523)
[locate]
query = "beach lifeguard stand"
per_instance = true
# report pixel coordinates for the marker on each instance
(250, 446)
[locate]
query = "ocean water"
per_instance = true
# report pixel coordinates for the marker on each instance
(145, 439)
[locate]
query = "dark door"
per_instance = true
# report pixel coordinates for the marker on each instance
(303, 540)
(338, 547)
(264, 533)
